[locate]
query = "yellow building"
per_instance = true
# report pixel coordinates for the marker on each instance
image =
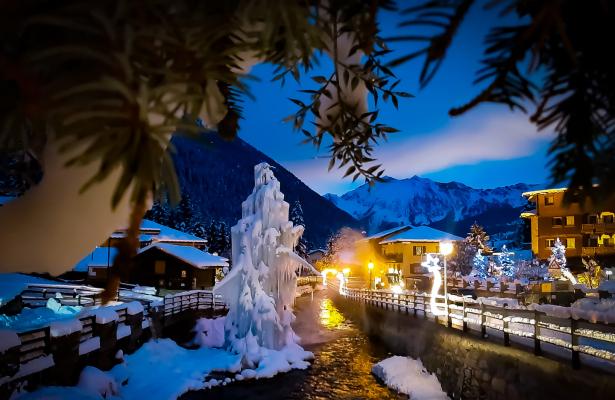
(587, 230)
(403, 249)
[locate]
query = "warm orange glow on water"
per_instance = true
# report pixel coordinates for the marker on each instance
(330, 317)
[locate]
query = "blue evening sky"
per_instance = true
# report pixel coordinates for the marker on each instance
(489, 146)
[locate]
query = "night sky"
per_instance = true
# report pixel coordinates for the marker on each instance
(487, 147)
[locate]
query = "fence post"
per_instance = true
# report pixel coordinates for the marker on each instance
(464, 323)
(505, 327)
(574, 339)
(537, 350)
(483, 319)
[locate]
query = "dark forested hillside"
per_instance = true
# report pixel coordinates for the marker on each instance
(218, 175)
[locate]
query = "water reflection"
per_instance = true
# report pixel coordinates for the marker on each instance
(341, 369)
(329, 315)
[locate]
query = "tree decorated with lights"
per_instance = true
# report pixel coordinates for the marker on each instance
(593, 274)
(558, 262)
(480, 265)
(478, 238)
(506, 263)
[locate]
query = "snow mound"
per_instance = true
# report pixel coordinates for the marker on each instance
(95, 381)
(209, 332)
(408, 376)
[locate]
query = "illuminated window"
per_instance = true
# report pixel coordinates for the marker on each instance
(549, 200)
(550, 243)
(570, 243)
(569, 220)
(419, 250)
(159, 267)
(556, 221)
(184, 273)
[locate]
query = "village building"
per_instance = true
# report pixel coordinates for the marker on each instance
(313, 256)
(166, 259)
(586, 229)
(401, 251)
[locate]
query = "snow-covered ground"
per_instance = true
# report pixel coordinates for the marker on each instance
(407, 375)
(179, 368)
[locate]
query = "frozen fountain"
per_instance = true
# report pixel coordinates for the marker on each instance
(260, 288)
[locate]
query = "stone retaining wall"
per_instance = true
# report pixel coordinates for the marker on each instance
(473, 368)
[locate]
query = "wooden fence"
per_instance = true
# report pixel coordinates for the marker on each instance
(306, 280)
(37, 295)
(35, 351)
(575, 335)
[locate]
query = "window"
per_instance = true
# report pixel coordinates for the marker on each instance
(550, 243)
(570, 244)
(420, 250)
(607, 219)
(569, 220)
(607, 242)
(184, 273)
(549, 200)
(556, 221)
(592, 219)
(160, 267)
(592, 242)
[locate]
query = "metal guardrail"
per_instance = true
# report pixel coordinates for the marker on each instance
(466, 314)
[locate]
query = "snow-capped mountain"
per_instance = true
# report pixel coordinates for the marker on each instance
(451, 206)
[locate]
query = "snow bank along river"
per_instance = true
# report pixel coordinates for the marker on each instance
(344, 357)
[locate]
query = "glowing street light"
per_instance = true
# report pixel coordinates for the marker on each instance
(346, 271)
(446, 248)
(370, 266)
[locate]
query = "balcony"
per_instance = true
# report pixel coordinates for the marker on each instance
(597, 251)
(394, 257)
(600, 227)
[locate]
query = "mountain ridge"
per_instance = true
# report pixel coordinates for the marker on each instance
(450, 206)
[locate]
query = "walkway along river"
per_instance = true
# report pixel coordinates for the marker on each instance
(341, 369)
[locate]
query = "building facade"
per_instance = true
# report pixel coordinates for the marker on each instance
(586, 229)
(402, 250)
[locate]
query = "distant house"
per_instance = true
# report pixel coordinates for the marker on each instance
(167, 258)
(586, 229)
(403, 249)
(173, 266)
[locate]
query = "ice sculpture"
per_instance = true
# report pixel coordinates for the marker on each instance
(260, 288)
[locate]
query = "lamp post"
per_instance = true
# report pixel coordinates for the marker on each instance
(370, 266)
(446, 248)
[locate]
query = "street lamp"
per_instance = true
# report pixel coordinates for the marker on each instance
(370, 266)
(446, 248)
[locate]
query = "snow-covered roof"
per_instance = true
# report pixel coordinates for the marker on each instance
(169, 234)
(100, 257)
(388, 232)
(190, 255)
(13, 284)
(317, 251)
(528, 214)
(543, 191)
(421, 234)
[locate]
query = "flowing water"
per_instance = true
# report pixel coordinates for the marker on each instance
(341, 368)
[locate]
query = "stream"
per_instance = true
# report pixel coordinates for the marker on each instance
(341, 369)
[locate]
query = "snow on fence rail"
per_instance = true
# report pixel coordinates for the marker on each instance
(36, 294)
(579, 336)
(34, 350)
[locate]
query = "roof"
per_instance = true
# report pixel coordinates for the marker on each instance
(169, 234)
(528, 214)
(317, 251)
(422, 234)
(388, 232)
(100, 257)
(190, 255)
(543, 191)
